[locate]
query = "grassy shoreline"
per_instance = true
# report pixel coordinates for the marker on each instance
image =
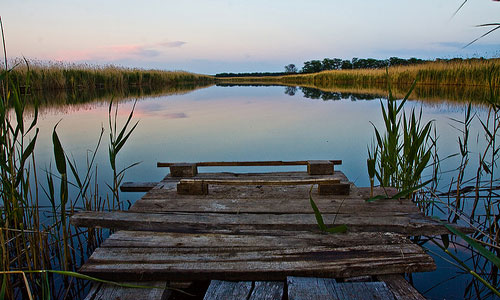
(61, 76)
(456, 73)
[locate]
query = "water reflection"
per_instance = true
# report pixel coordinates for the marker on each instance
(425, 93)
(56, 100)
(313, 93)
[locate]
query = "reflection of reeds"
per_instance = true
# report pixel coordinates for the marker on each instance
(63, 100)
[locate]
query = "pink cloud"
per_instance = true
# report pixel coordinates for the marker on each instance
(116, 52)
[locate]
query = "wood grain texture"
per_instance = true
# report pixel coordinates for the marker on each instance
(401, 289)
(267, 290)
(103, 291)
(222, 290)
(262, 181)
(263, 256)
(300, 288)
(217, 223)
(260, 233)
(304, 288)
(245, 163)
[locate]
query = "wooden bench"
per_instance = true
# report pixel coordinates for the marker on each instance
(326, 186)
(314, 167)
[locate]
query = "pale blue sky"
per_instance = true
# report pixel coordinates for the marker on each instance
(244, 36)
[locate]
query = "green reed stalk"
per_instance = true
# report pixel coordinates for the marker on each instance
(404, 149)
(116, 142)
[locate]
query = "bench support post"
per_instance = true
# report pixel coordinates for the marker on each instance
(183, 170)
(320, 167)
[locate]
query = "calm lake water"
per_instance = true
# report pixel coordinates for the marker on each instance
(251, 123)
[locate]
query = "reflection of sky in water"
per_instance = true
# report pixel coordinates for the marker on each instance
(240, 123)
(237, 123)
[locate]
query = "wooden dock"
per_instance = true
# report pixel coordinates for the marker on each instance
(259, 227)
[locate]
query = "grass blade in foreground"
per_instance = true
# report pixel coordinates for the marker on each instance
(319, 218)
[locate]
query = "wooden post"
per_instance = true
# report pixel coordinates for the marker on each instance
(334, 189)
(183, 170)
(192, 188)
(320, 167)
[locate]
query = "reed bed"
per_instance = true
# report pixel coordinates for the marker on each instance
(473, 72)
(40, 251)
(471, 197)
(63, 76)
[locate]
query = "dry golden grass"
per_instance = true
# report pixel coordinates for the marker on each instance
(56, 76)
(456, 73)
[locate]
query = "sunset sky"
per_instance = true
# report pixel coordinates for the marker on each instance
(210, 37)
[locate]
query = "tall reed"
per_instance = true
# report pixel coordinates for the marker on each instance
(472, 72)
(403, 150)
(63, 76)
(32, 243)
(471, 198)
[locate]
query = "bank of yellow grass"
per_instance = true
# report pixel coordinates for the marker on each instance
(58, 76)
(472, 72)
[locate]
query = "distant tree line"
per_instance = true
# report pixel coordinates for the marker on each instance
(314, 66)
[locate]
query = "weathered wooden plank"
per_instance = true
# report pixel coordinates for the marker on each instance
(245, 163)
(222, 290)
(93, 291)
(267, 290)
(297, 192)
(281, 205)
(401, 289)
(110, 291)
(241, 263)
(262, 181)
(266, 176)
(212, 222)
(309, 288)
(265, 240)
(137, 186)
(200, 186)
(300, 288)
(363, 290)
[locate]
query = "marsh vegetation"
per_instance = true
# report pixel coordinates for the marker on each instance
(39, 196)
